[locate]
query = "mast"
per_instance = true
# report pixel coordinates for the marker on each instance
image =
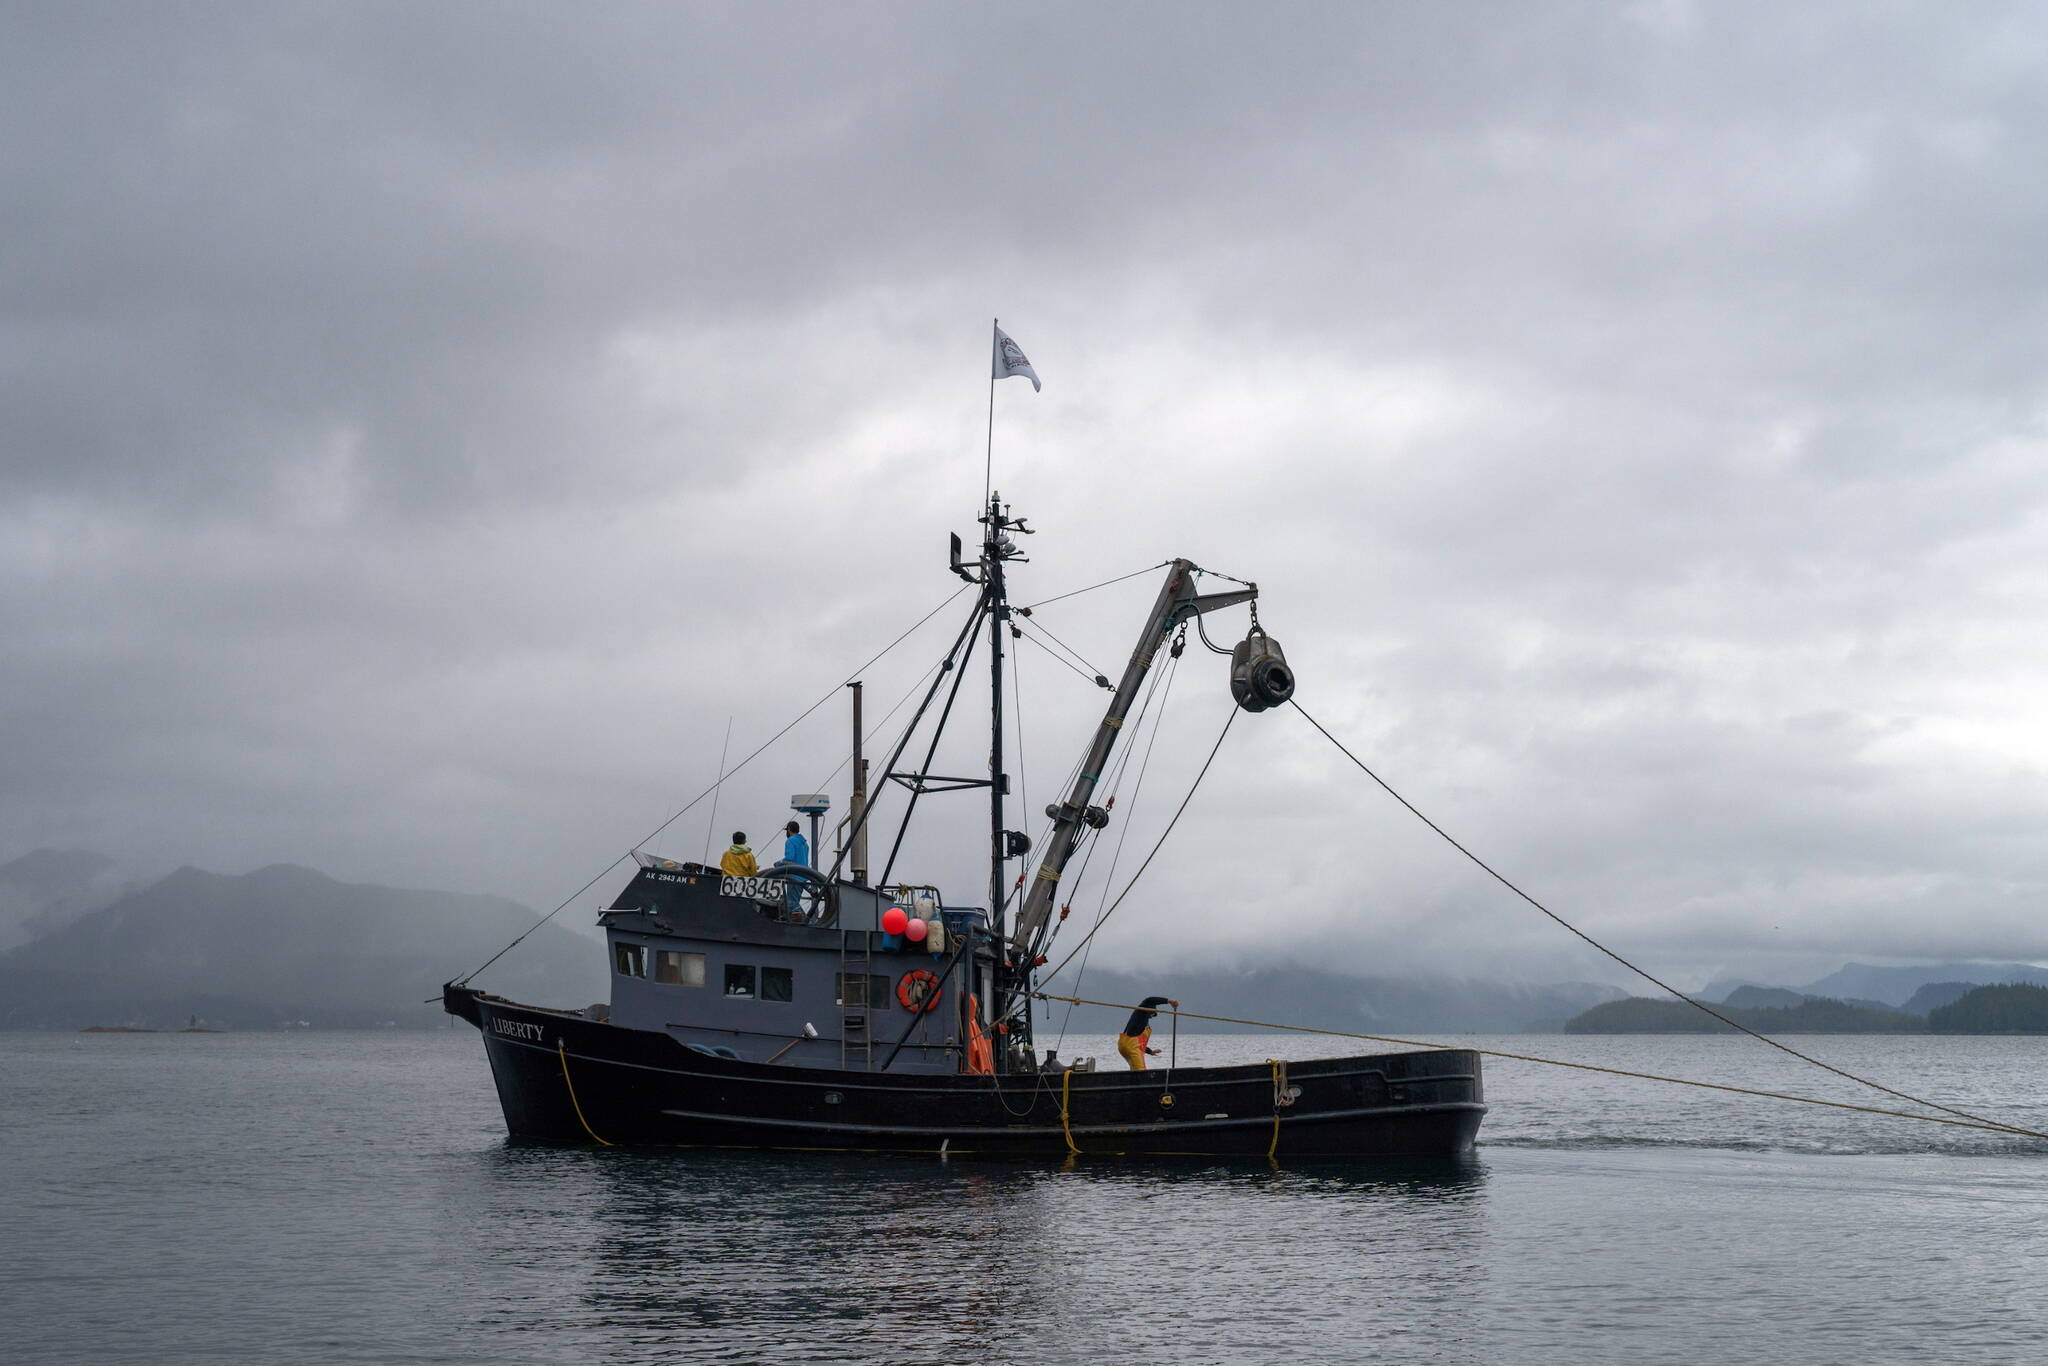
(998, 619)
(998, 547)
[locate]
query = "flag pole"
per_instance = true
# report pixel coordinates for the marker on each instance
(989, 452)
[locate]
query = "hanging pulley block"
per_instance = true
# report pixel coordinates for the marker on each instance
(1259, 676)
(1016, 844)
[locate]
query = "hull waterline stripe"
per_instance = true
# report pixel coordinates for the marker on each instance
(1044, 1130)
(912, 1088)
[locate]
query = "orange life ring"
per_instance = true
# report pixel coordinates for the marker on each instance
(918, 992)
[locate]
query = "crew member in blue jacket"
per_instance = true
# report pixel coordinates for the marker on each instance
(795, 849)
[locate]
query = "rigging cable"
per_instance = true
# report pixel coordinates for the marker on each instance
(606, 870)
(902, 737)
(711, 821)
(966, 638)
(1042, 943)
(1156, 847)
(1116, 855)
(1017, 701)
(1665, 986)
(1114, 785)
(1033, 624)
(1967, 1122)
(1060, 657)
(871, 730)
(1032, 607)
(970, 638)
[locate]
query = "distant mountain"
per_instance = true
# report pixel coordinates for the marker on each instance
(1328, 1000)
(1935, 995)
(285, 944)
(1721, 988)
(1748, 997)
(47, 889)
(1895, 986)
(1859, 983)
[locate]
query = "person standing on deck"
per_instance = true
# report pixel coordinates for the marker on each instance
(738, 861)
(795, 850)
(1136, 1040)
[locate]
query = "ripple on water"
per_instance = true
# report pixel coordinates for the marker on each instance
(352, 1199)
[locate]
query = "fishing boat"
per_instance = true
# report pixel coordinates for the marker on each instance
(712, 1038)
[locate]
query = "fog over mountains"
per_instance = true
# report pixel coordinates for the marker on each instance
(46, 889)
(282, 946)
(287, 946)
(1918, 986)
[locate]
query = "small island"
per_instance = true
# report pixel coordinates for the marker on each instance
(2003, 1009)
(2011, 1009)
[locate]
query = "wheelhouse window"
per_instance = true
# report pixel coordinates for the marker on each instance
(678, 969)
(739, 979)
(777, 984)
(631, 959)
(857, 989)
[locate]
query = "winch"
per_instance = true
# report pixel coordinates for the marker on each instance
(1259, 676)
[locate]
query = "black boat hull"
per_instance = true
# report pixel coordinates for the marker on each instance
(566, 1079)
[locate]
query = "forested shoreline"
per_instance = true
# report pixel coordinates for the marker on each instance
(2014, 1008)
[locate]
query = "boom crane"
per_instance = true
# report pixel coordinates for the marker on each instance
(1177, 602)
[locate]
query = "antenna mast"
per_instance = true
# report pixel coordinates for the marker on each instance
(998, 547)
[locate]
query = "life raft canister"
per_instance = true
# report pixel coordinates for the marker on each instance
(918, 992)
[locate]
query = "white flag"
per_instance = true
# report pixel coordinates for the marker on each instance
(1010, 360)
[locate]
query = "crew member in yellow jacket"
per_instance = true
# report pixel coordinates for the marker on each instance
(738, 860)
(1136, 1040)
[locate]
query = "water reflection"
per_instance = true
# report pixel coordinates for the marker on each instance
(812, 1257)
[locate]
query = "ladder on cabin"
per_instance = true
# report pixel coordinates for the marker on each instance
(856, 1011)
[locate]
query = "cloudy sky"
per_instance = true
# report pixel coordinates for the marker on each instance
(424, 428)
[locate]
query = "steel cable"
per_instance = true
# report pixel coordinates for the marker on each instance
(1968, 1122)
(1227, 721)
(1660, 984)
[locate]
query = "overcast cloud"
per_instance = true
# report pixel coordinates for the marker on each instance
(423, 426)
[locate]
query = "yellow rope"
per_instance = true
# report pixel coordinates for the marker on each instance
(1066, 1084)
(1274, 1147)
(562, 1052)
(1578, 1066)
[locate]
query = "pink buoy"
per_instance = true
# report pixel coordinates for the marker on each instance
(894, 920)
(915, 931)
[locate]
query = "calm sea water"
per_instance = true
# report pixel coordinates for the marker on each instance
(352, 1198)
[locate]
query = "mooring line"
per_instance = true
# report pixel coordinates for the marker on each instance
(562, 1052)
(1647, 977)
(1973, 1122)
